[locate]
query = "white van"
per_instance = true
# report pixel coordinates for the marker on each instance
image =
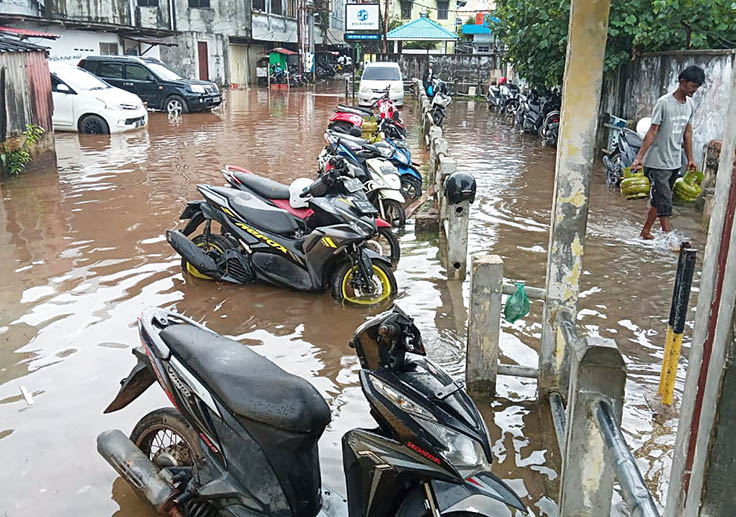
(85, 103)
(376, 77)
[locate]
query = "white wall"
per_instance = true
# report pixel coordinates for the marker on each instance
(269, 27)
(73, 45)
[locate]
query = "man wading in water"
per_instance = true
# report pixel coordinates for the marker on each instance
(662, 147)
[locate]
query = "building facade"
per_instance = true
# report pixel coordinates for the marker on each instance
(444, 12)
(216, 40)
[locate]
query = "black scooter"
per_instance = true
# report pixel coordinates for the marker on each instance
(242, 440)
(258, 241)
(623, 153)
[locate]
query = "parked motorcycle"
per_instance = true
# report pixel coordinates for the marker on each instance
(372, 165)
(623, 153)
(242, 439)
(440, 100)
(383, 242)
(258, 241)
(549, 131)
(411, 178)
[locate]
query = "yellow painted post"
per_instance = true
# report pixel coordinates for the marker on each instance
(676, 326)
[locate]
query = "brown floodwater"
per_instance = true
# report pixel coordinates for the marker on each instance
(83, 249)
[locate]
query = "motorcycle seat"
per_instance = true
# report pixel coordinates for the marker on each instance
(260, 213)
(632, 138)
(354, 109)
(247, 383)
(265, 187)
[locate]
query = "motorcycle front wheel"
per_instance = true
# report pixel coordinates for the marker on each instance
(384, 284)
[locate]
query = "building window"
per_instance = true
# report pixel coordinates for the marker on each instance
(199, 4)
(276, 7)
(109, 49)
(405, 9)
(442, 8)
(484, 50)
(147, 3)
(259, 5)
(291, 8)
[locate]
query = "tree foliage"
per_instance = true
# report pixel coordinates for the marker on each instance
(535, 31)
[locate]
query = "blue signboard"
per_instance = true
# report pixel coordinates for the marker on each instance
(354, 37)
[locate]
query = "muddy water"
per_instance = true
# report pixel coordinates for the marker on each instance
(84, 252)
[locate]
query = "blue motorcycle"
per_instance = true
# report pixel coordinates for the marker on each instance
(411, 178)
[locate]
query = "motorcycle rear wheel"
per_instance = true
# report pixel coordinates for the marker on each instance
(167, 439)
(215, 247)
(394, 212)
(383, 280)
(411, 187)
(386, 244)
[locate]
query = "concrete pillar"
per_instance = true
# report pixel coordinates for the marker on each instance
(704, 459)
(456, 233)
(484, 324)
(586, 45)
(437, 147)
(597, 374)
(446, 167)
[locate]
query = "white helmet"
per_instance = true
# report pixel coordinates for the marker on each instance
(643, 126)
(295, 192)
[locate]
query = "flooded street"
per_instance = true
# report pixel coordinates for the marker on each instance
(84, 251)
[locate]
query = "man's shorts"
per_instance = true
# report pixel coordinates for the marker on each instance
(660, 194)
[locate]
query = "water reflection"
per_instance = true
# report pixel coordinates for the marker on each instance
(84, 253)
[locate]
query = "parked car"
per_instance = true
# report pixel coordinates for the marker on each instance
(376, 77)
(85, 103)
(158, 85)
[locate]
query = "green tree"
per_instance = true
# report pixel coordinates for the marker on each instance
(535, 31)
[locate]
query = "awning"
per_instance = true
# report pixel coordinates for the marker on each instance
(27, 33)
(421, 29)
(284, 51)
(150, 40)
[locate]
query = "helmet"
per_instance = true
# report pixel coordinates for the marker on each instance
(459, 187)
(502, 81)
(295, 191)
(642, 127)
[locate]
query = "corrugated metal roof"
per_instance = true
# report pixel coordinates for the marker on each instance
(29, 33)
(476, 29)
(421, 29)
(14, 45)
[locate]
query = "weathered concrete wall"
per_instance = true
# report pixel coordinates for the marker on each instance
(636, 86)
(465, 68)
(270, 27)
(224, 17)
(103, 11)
(184, 59)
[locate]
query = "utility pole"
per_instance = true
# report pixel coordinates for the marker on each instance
(310, 6)
(385, 29)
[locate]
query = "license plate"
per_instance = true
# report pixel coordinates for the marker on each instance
(215, 99)
(365, 207)
(353, 185)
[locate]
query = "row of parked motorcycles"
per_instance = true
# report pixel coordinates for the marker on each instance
(291, 76)
(530, 110)
(242, 437)
(439, 94)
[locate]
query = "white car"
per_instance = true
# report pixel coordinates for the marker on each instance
(85, 103)
(376, 77)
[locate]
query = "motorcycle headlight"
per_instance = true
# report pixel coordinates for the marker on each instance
(399, 400)
(465, 454)
(197, 88)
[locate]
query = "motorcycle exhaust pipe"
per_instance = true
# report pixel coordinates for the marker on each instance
(135, 467)
(192, 253)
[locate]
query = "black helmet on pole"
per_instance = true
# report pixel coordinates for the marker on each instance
(459, 187)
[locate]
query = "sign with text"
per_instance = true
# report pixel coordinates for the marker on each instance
(362, 17)
(360, 37)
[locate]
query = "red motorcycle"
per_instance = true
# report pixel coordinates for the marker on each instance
(363, 122)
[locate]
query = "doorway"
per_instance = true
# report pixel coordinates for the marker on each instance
(202, 57)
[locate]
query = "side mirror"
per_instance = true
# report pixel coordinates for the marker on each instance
(62, 88)
(151, 79)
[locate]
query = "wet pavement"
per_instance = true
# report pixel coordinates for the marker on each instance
(84, 252)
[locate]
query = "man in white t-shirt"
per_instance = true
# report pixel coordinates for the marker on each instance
(661, 151)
